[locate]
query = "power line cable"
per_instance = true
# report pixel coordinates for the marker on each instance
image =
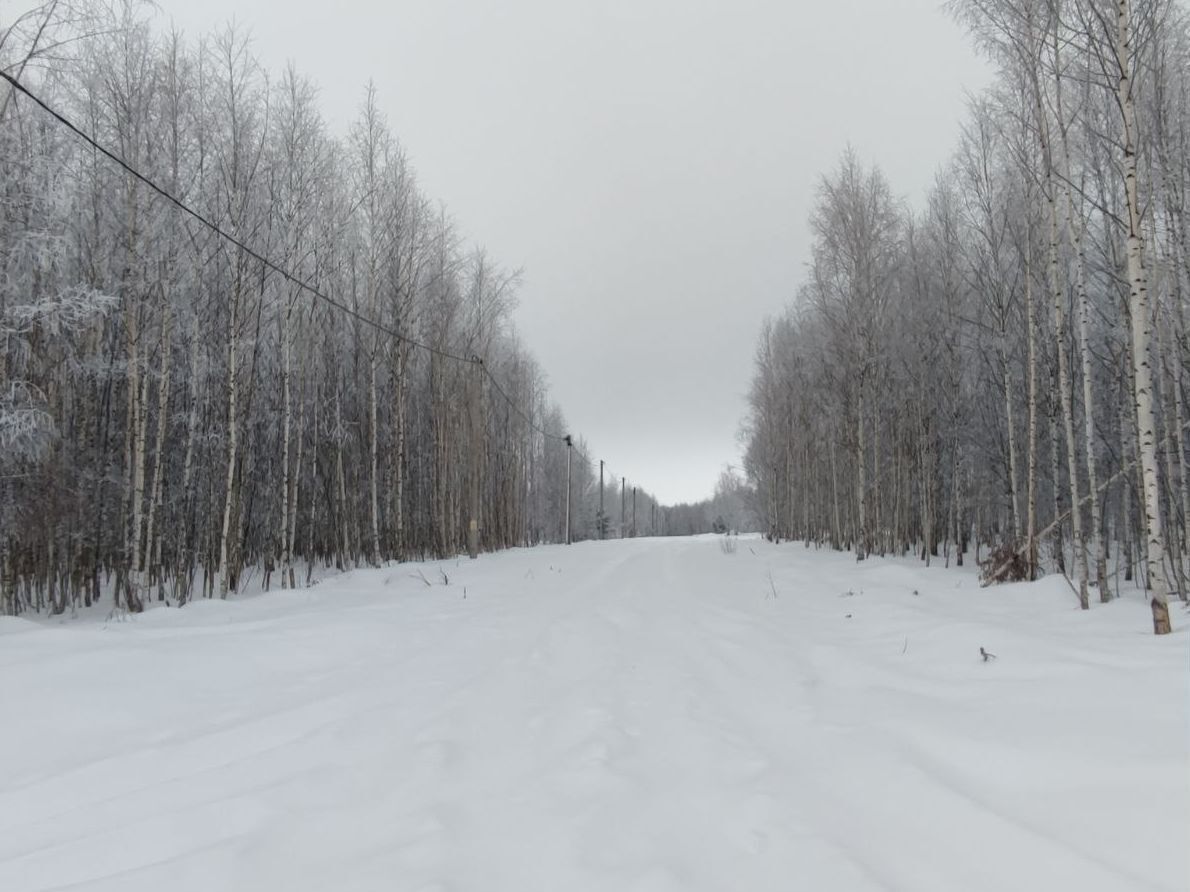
(218, 230)
(281, 271)
(519, 411)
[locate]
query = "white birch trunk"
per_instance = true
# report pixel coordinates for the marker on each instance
(399, 421)
(1058, 294)
(1010, 421)
(1168, 398)
(185, 564)
(1074, 233)
(374, 456)
(233, 325)
(135, 442)
(294, 478)
(1056, 475)
(1031, 346)
(1138, 304)
(131, 464)
(286, 414)
(861, 478)
(151, 544)
(345, 549)
(1128, 453)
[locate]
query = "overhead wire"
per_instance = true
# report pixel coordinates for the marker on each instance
(283, 272)
(220, 231)
(517, 409)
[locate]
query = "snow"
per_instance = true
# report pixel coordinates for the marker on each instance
(646, 715)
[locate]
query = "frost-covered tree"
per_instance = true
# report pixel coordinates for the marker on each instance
(176, 413)
(1017, 366)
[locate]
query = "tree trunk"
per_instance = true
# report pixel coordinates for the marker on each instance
(1138, 305)
(1058, 294)
(1010, 421)
(1031, 485)
(374, 463)
(159, 444)
(861, 480)
(233, 325)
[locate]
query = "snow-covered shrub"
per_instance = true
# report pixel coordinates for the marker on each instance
(1005, 563)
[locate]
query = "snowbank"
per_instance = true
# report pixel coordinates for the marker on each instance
(642, 715)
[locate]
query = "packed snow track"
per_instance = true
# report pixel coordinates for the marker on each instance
(638, 716)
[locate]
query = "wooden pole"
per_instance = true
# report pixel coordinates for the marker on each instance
(476, 462)
(569, 450)
(602, 518)
(634, 512)
(623, 484)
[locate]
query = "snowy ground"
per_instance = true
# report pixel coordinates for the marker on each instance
(640, 715)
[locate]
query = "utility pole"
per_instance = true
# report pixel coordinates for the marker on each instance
(569, 450)
(602, 519)
(476, 459)
(623, 483)
(634, 512)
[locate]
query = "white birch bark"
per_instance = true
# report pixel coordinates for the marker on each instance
(185, 567)
(1031, 371)
(233, 428)
(294, 478)
(1074, 234)
(374, 461)
(151, 543)
(1058, 294)
(1010, 422)
(861, 477)
(135, 448)
(286, 420)
(1138, 305)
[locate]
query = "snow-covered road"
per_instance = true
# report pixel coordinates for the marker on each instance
(644, 715)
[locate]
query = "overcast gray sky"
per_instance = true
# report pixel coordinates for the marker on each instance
(649, 163)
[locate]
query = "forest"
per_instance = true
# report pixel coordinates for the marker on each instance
(1003, 372)
(239, 340)
(301, 579)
